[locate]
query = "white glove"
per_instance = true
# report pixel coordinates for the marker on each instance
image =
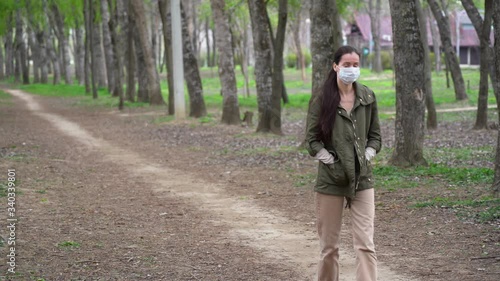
(370, 153)
(324, 156)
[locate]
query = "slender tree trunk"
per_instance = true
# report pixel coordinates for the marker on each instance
(487, 60)
(116, 30)
(167, 31)
(207, 41)
(86, 48)
(153, 84)
(79, 55)
(298, 45)
(90, 47)
(263, 62)
(429, 100)
(230, 107)
(108, 47)
(410, 84)
(277, 82)
(131, 58)
(336, 25)
(9, 47)
(214, 47)
(63, 43)
(98, 57)
(54, 58)
(435, 39)
(35, 55)
(141, 72)
(192, 73)
(21, 49)
(152, 10)
(2, 73)
(375, 25)
(496, 87)
(321, 43)
(451, 56)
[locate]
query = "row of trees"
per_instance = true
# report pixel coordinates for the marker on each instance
(115, 44)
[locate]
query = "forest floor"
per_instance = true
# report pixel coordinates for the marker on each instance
(108, 195)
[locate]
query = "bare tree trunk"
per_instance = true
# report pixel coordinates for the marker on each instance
(444, 30)
(167, 31)
(230, 107)
(321, 43)
(263, 62)
(277, 82)
(192, 74)
(429, 100)
(2, 73)
(207, 40)
(117, 30)
(410, 85)
(496, 87)
(98, 57)
(79, 55)
(9, 47)
(336, 25)
(21, 60)
(153, 84)
(295, 26)
(435, 39)
(90, 46)
(152, 10)
(35, 55)
(141, 72)
(131, 58)
(58, 20)
(108, 47)
(375, 24)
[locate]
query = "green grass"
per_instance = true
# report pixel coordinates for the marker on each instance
(4, 96)
(484, 209)
(68, 245)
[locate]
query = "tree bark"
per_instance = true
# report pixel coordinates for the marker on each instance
(336, 25)
(207, 41)
(35, 55)
(263, 62)
(230, 107)
(58, 19)
(79, 54)
(131, 57)
(153, 81)
(451, 56)
(167, 31)
(21, 49)
(429, 100)
(277, 82)
(117, 30)
(54, 58)
(92, 66)
(295, 26)
(410, 84)
(108, 47)
(375, 25)
(435, 40)
(496, 29)
(2, 73)
(192, 73)
(321, 43)
(98, 58)
(9, 47)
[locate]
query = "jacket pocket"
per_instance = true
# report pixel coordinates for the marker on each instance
(333, 174)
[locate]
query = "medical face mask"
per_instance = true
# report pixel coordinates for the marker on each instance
(349, 74)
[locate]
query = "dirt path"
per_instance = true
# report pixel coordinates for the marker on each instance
(278, 239)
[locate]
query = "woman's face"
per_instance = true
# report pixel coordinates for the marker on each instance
(347, 60)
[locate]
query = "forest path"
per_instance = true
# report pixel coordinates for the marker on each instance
(275, 237)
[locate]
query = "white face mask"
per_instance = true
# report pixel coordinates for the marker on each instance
(349, 74)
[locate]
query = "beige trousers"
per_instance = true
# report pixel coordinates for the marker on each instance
(329, 210)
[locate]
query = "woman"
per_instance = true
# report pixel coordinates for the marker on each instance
(343, 133)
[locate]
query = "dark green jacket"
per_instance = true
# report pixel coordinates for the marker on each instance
(351, 135)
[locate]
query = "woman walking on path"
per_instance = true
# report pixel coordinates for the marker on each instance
(343, 133)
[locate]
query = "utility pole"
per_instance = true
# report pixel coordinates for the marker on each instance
(178, 69)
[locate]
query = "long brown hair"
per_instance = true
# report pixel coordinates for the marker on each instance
(330, 97)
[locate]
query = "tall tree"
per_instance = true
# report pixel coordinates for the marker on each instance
(90, 60)
(374, 12)
(451, 56)
(336, 24)
(296, 22)
(263, 61)
(321, 43)
(78, 42)
(429, 100)
(2, 73)
(230, 107)
(98, 57)
(410, 84)
(192, 73)
(108, 47)
(277, 83)
(58, 22)
(153, 85)
(117, 30)
(487, 60)
(164, 6)
(436, 46)
(9, 46)
(131, 57)
(21, 56)
(496, 28)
